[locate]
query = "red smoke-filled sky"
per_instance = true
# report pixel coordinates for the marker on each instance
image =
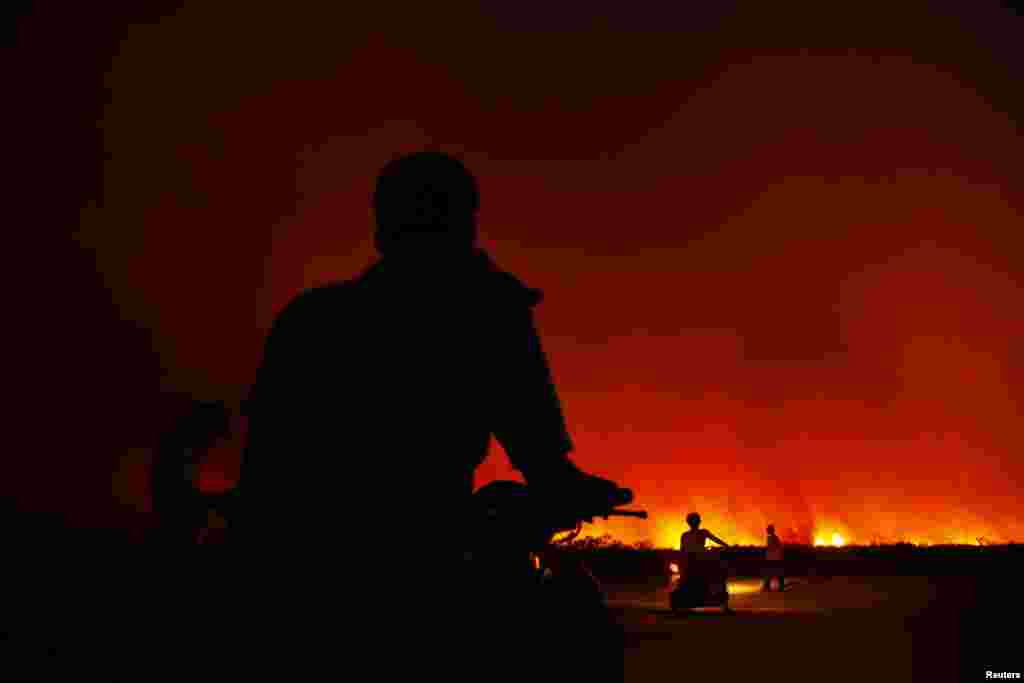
(779, 244)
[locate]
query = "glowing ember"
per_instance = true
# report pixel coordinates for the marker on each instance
(674, 568)
(742, 587)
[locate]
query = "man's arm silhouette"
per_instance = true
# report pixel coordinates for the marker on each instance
(529, 423)
(528, 418)
(717, 540)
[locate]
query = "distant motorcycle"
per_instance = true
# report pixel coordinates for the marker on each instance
(702, 584)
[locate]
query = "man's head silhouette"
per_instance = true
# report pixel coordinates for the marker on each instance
(425, 204)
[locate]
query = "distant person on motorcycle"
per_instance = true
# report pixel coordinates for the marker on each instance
(696, 565)
(773, 561)
(694, 540)
(383, 393)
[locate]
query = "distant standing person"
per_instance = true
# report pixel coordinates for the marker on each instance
(773, 562)
(180, 508)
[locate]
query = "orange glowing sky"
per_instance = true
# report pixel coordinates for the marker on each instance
(782, 276)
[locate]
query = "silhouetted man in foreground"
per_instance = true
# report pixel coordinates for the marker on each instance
(377, 399)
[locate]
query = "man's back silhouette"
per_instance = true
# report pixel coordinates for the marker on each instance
(377, 399)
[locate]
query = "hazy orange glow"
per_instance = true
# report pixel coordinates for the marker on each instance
(782, 284)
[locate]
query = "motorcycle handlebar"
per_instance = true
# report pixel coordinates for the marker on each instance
(642, 514)
(622, 497)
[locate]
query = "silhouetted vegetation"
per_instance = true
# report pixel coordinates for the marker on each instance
(612, 560)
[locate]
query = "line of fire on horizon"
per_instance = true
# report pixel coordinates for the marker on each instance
(666, 534)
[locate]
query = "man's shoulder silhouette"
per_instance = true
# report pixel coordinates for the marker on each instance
(311, 302)
(397, 316)
(475, 277)
(474, 273)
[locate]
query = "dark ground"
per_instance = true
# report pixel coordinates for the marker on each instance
(95, 607)
(839, 628)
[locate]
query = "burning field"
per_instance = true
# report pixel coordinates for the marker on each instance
(626, 564)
